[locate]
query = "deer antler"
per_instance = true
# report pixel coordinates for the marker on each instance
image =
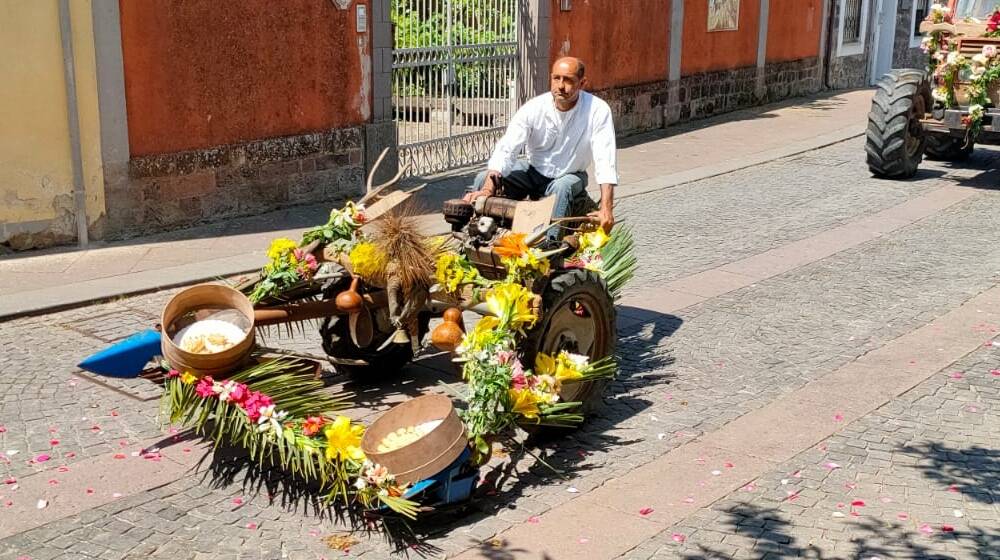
(374, 192)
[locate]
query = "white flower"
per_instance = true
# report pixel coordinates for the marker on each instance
(360, 483)
(225, 390)
(939, 56)
(940, 9)
(270, 419)
(980, 59)
(954, 57)
(940, 94)
(578, 360)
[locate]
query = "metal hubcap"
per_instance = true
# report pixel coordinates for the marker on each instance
(580, 326)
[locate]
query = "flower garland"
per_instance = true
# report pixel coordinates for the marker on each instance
(244, 410)
(504, 393)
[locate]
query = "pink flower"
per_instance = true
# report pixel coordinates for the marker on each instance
(204, 388)
(504, 357)
(173, 373)
(519, 381)
(254, 402)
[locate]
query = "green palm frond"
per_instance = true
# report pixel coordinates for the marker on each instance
(618, 259)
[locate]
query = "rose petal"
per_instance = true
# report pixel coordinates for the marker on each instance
(119, 455)
(70, 455)
(187, 450)
(947, 528)
(237, 501)
(956, 375)
(646, 511)
(958, 513)
(926, 529)
(797, 474)
(90, 490)
(838, 514)
(838, 417)
(716, 473)
(10, 481)
(995, 372)
(572, 490)
(114, 413)
(42, 458)
(53, 442)
(831, 466)
(784, 481)
(53, 481)
(583, 540)
(3, 429)
(534, 519)
(953, 488)
(251, 525)
(902, 516)
(750, 487)
(116, 495)
(689, 500)
(63, 468)
(858, 503)
(729, 465)
(678, 537)
(41, 504)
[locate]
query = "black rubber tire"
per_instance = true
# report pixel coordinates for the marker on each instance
(337, 343)
(580, 286)
(896, 139)
(944, 147)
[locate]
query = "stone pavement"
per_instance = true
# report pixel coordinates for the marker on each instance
(56, 278)
(783, 317)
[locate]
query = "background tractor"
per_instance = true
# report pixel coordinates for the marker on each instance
(908, 121)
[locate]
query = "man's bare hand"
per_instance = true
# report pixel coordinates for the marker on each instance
(605, 217)
(489, 187)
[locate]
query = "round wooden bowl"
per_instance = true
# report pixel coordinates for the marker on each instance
(197, 303)
(428, 455)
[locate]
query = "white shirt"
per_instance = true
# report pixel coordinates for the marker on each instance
(561, 142)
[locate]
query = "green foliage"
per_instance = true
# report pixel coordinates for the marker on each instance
(619, 261)
(473, 22)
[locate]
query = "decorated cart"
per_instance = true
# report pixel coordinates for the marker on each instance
(538, 357)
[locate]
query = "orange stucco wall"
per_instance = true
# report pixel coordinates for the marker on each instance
(203, 73)
(793, 29)
(718, 50)
(620, 44)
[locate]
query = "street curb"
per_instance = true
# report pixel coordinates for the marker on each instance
(54, 299)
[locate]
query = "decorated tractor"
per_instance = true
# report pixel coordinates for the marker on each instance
(943, 111)
(538, 356)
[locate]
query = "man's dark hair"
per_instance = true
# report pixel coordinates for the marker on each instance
(581, 69)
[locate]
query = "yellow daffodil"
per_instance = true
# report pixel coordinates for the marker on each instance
(524, 402)
(368, 261)
(483, 331)
(343, 440)
(511, 304)
(188, 378)
(279, 247)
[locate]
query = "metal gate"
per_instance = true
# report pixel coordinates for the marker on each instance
(454, 79)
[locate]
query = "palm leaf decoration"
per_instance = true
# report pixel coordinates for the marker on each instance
(618, 259)
(290, 383)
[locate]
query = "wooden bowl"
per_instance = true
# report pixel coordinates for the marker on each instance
(197, 303)
(428, 455)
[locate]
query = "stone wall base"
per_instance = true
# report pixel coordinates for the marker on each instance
(164, 192)
(649, 106)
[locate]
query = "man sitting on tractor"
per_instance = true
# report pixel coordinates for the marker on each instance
(562, 132)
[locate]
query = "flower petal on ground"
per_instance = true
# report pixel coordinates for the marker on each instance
(646, 511)
(678, 537)
(858, 503)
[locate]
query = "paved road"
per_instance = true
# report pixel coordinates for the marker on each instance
(926, 465)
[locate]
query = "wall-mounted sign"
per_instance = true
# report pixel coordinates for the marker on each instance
(361, 18)
(723, 15)
(342, 4)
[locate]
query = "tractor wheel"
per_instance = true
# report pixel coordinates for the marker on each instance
(944, 147)
(578, 315)
(896, 138)
(335, 332)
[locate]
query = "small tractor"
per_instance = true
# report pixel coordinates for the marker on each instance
(944, 110)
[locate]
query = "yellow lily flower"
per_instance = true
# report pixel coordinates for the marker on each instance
(544, 364)
(525, 403)
(188, 378)
(594, 240)
(570, 366)
(343, 440)
(511, 303)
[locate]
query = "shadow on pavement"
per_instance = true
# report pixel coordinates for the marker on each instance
(774, 538)
(973, 471)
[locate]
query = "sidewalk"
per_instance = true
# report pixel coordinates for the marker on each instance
(59, 278)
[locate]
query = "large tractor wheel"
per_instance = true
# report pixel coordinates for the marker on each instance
(578, 315)
(944, 147)
(896, 138)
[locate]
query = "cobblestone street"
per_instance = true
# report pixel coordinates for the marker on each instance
(753, 287)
